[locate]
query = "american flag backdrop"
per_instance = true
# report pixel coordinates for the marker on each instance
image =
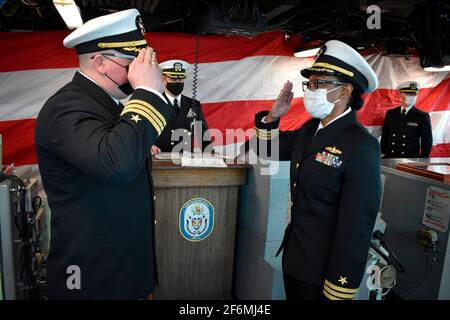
(236, 78)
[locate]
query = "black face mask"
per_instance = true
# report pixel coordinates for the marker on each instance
(175, 88)
(126, 88)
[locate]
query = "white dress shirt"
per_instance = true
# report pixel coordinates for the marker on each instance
(407, 109)
(321, 126)
(172, 99)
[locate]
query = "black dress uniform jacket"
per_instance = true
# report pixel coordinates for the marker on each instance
(335, 193)
(92, 156)
(406, 136)
(182, 119)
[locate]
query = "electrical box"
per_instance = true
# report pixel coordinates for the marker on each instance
(7, 236)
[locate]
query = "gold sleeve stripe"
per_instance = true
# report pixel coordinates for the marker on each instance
(333, 67)
(267, 133)
(150, 119)
(340, 289)
(338, 294)
(266, 136)
(329, 296)
(135, 106)
(263, 138)
(149, 106)
(161, 122)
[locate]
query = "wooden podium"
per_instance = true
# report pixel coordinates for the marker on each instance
(195, 268)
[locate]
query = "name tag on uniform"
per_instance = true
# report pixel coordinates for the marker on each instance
(412, 124)
(328, 159)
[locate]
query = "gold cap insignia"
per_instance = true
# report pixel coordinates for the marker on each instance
(178, 67)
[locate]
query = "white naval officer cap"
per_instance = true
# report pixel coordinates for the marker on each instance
(175, 69)
(122, 31)
(408, 87)
(338, 58)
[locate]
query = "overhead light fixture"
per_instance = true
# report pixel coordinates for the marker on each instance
(306, 52)
(70, 13)
(434, 69)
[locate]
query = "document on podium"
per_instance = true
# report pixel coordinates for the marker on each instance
(167, 156)
(202, 161)
(192, 159)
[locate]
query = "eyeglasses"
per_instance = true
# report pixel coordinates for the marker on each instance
(313, 85)
(112, 54)
(118, 55)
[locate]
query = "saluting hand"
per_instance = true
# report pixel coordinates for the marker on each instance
(283, 103)
(145, 71)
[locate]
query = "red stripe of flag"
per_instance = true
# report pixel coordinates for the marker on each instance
(45, 50)
(18, 141)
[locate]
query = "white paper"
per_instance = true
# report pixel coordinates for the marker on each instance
(203, 162)
(207, 155)
(436, 213)
(167, 156)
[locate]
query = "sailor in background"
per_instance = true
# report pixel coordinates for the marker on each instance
(185, 110)
(407, 130)
(93, 157)
(334, 176)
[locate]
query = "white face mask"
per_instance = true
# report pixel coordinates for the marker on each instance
(410, 100)
(317, 104)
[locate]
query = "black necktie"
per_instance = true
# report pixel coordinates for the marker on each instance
(175, 104)
(403, 112)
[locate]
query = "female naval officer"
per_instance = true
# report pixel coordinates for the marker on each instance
(334, 176)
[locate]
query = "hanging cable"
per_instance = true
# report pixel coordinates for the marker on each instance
(29, 270)
(196, 61)
(426, 274)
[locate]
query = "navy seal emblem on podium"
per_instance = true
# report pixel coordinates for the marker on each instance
(196, 221)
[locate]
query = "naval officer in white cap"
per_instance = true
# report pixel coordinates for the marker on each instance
(334, 176)
(93, 157)
(185, 111)
(407, 130)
